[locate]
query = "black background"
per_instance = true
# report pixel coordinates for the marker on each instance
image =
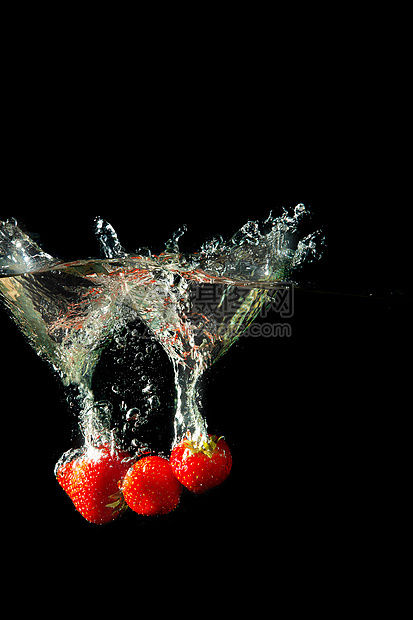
(315, 421)
(164, 127)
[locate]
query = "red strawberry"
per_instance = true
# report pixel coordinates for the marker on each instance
(201, 468)
(150, 488)
(91, 477)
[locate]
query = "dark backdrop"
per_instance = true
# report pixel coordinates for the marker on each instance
(314, 420)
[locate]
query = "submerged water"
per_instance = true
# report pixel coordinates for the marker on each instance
(196, 306)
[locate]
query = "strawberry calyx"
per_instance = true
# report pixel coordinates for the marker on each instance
(117, 502)
(204, 445)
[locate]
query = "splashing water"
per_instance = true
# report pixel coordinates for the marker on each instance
(196, 306)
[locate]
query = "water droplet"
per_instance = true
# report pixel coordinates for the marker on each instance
(132, 414)
(154, 401)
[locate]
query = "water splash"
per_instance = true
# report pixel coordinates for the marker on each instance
(108, 239)
(69, 311)
(19, 253)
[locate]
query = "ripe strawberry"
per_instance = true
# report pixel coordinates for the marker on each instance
(91, 478)
(201, 468)
(150, 488)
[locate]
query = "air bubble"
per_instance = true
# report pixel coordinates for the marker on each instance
(132, 414)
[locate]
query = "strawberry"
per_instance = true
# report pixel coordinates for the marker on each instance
(201, 468)
(91, 476)
(150, 487)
